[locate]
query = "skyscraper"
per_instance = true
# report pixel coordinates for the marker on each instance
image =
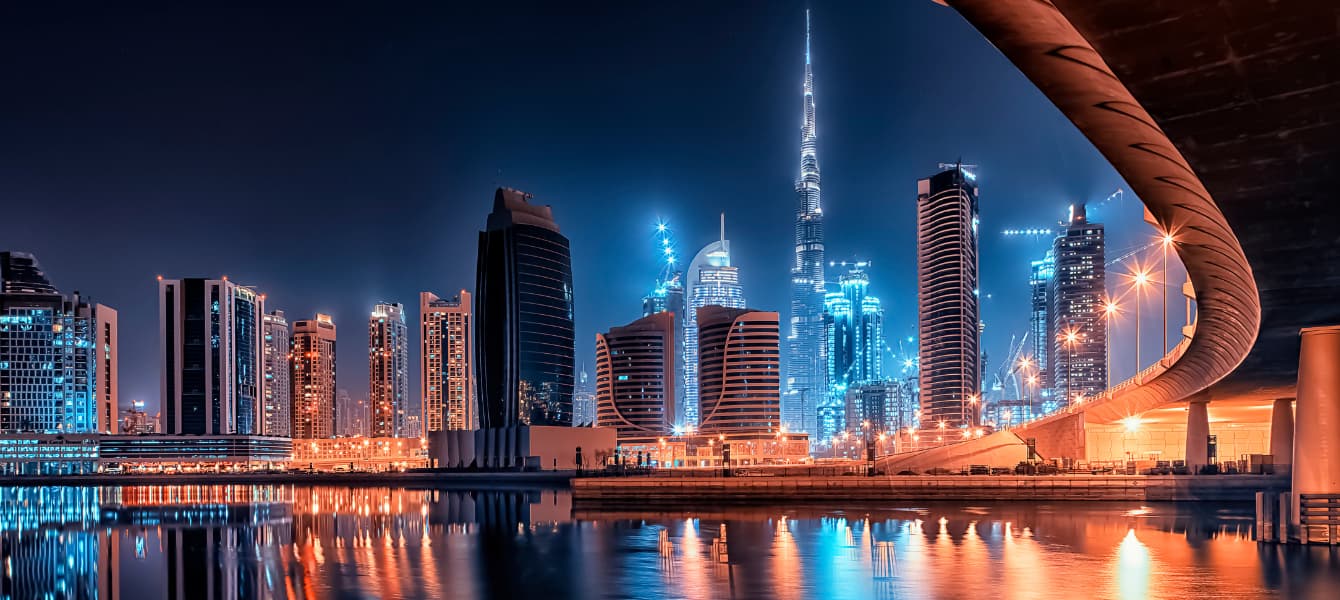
(1039, 327)
(313, 378)
(211, 356)
(276, 399)
(524, 311)
(388, 369)
(806, 371)
(947, 318)
(635, 379)
(108, 378)
(853, 332)
(584, 400)
(1078, 327)
(51, 358)
(448, 362)
(714, 282)
(740, 366)
(668, 296)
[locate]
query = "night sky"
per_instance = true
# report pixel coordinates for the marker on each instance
(336, 156)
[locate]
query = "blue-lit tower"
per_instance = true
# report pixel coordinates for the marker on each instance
(667, 295)
(713, 282)
(805, 381)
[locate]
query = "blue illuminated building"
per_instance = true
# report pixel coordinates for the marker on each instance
(48, 355)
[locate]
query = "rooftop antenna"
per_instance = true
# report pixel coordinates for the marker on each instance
(723, 228)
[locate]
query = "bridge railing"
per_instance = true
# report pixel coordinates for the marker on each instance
(1145, 375)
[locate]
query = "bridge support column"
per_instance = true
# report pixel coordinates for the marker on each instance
(1316, 448)
(1281, 434)
(1197, 435)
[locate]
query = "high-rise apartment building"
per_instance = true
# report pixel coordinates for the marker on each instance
(1078, 326)
(524, 316)
(211, 355)
(806, 372)
(853, 332)
(740, 370)
(388, 370)
(108, 378)
(635, 379)
(53, 355)
(276, 399)
(947, 295)
(447, 371)
(713, 282)
(313, 378)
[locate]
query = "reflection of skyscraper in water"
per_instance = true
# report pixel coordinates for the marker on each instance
(714, 282)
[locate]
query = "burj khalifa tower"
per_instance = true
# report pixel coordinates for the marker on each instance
(805, 381)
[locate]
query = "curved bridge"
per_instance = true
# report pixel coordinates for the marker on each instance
(1242, 88)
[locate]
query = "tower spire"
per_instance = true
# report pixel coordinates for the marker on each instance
(807, 36)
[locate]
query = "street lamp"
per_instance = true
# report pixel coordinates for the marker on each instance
(1110, 311)
(1167, 242)
(1070, 337)
(1140, 279)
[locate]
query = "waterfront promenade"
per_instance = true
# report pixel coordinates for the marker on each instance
(678, 491)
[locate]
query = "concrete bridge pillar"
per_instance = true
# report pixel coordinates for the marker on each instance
(1281, 432)
(1316, 448)
(1197, 434)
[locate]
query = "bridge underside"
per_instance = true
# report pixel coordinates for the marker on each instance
(1246, 95)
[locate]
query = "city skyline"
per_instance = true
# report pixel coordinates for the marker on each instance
(870, 203)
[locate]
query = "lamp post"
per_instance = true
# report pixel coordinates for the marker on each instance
(1109, 312)
(1167, 241)
(1070, 337)
(1141, 280)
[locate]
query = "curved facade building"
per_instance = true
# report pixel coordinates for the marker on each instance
(523, 309)
(947, 319)
(635, 379)
(739, 370)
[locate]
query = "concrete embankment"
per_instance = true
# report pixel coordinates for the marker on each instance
(676, 491)
(474, 480)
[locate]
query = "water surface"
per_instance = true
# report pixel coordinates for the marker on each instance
(276, 541)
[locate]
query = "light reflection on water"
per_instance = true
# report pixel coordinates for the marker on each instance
(202, 542)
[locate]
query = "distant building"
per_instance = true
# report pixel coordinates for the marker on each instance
(584, 400)
(524, 316)
(447, 370)
(1039, 325)
(1079, 364)
(276, 390)
(388, 370)
(669, 296)
(887, 406)
(740, 365)
(313, 378)
(211, 356)
(947, 295)
(713, 282)
(854, 339)
(134, 421)
(806, 383)
(353, 415)
(55, 356)
(635, 379)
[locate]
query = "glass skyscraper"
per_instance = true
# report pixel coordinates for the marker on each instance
(854, 344)
(714, 283)
(388, 369)
(1079, 363)
(805, 362)
(949, 328)
(211, 350)
(524, 313)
